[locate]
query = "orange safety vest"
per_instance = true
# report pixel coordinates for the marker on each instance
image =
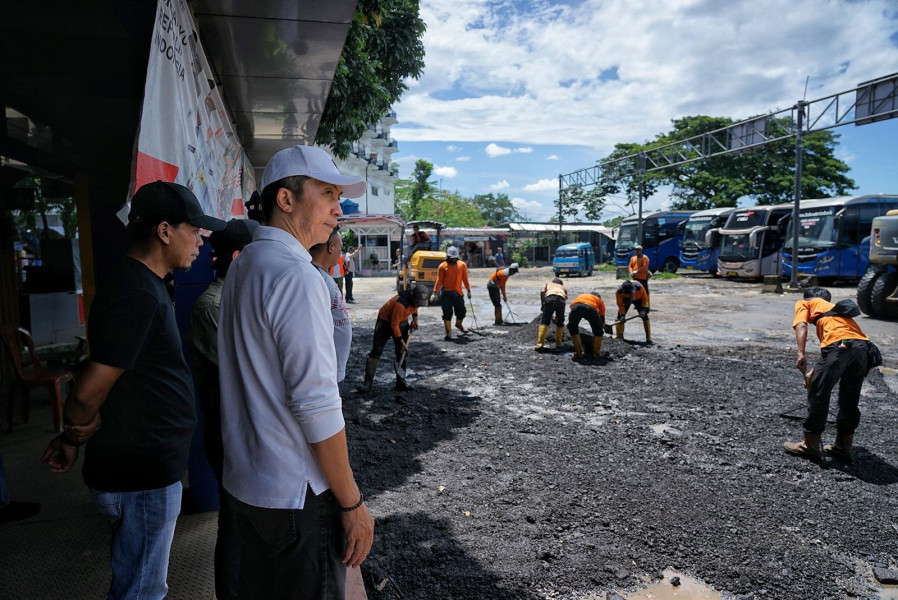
(342, 272)
(451, 277)
(590, 300)
(640, 266)
(395, 312)
(830, 329)
(500, 278)
(638, 295)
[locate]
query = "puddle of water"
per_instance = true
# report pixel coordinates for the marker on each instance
(888, 592)
(689, 588)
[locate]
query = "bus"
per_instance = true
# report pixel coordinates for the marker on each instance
(751, 241)
(660, 239)
(833, 235)
(701, 237)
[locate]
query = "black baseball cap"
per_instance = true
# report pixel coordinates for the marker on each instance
(236, 234)
(171, 202)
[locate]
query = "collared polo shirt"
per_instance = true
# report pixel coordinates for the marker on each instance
(278, 372)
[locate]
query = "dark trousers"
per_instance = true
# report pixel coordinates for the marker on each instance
(645, 284)
(383, 331)
(292, 554)
(348, 281)
(579, 312)
(495, 295)
(453, 301)
(643, 312)
(554, 305)
(846, 366)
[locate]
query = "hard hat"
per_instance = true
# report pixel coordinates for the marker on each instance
(452, 252)
(637, 247)
(420, 293)
(627, 287)
(596, 293)
(514, 267)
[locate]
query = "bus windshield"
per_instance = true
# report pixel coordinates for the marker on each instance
(627, 235)
(746, 219)
(816, 228)
(694, 232)
(737, 248)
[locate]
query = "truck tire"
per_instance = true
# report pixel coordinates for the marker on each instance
(865, 290)
(883, 287)
(670, 265)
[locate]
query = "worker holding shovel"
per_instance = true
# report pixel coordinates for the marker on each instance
(631, 293)
(393, 321)
(496, 285)
(590, 307)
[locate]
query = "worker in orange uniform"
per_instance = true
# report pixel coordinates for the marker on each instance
(393, 321)
(451, 275)
(631, 293)
(592, 308)
(553, 300)
(495, 285)
(639, 270)
(338, 271)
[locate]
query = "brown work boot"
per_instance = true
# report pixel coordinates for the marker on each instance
(808, 448)
(841, 449)
(460, 327)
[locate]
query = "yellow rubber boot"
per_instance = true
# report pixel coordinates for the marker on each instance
(448, 326)
(459, 326)
(559, 336)
(578, 345)
(596, 345)
(498, 314)
(541, 337)
(648, 331)
(619, 331)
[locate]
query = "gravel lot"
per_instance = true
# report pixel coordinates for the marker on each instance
(508, 473)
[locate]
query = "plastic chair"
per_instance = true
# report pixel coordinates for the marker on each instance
(24, 380)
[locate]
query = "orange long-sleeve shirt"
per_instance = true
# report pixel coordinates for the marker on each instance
(451, 277)
(590, 300)
(637, 295)
(829, 329)
(501, 278)
(395, 311)
(639, 267)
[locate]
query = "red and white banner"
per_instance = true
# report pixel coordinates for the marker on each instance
(186, 135)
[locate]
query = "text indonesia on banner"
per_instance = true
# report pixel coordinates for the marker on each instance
(185, 134)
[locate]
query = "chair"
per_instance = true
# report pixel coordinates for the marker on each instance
(24, 380)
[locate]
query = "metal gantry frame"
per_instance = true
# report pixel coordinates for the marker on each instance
(872, 101)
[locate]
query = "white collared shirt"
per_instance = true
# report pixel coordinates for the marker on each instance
(278, 372)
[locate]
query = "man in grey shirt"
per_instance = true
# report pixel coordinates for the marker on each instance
(301, 517)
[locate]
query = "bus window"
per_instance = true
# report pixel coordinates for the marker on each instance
(650, 234)
(849, 232)
(868, 213)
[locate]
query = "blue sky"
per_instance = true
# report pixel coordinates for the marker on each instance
(516, 93)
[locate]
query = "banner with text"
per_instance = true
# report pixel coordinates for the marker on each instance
(186, 135)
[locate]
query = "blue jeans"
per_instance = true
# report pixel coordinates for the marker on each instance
(143, 526)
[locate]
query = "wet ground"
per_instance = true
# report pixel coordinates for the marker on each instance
(508, 473)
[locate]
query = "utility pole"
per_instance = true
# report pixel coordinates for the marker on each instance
(559, 237)
(799, 109)
(640, 167)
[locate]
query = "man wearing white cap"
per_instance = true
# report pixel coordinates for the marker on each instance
(286, 465)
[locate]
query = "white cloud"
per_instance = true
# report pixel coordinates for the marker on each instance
(500, 185)
(597, 72)
(530, 209)
(453, 148)
(463, 158)
(525, 150)
(542, 185)
(445, 171)
(494, 150)
(552, 157)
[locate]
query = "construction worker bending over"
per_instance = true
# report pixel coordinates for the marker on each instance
(452, 274)
(553, 300)
(592, 308)
(639, 270)
(844, 359)
(393, 321)
(495, 285)
(631, 293)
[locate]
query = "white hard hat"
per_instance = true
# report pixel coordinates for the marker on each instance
(514, 266)
(452, 252)
(637, 247)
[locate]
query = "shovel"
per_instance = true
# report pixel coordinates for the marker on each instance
(609, 328)
(401, 372)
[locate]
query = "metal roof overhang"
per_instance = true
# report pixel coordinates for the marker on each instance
(565, 227)
(79, 68)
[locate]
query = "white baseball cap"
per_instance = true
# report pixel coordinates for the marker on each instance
(313, 162)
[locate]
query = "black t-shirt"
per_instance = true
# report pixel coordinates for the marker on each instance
(149, 414)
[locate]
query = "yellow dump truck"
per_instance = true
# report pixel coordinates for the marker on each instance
(421, 267)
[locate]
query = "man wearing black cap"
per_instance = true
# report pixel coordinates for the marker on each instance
(138, 385)
(202, 337)
(301, 515)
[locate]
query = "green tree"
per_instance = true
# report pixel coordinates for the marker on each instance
(409, 193)
(451, 209)
(383, 48)
(496, 209)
